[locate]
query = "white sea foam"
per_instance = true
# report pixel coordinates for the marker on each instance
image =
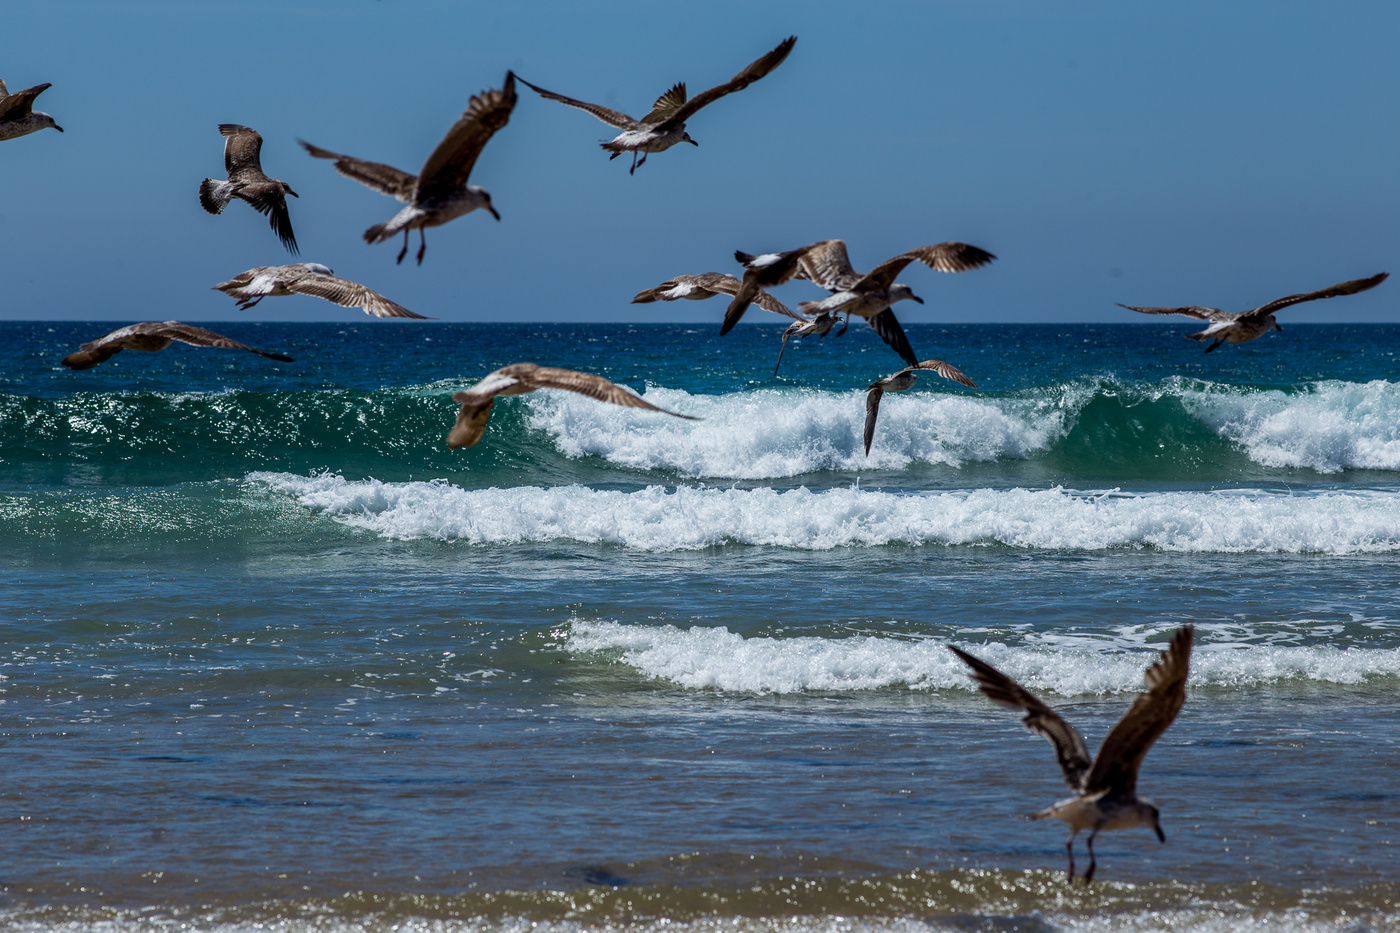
(1332, 427)
(716, 658)
(768, 433)
(685, 518)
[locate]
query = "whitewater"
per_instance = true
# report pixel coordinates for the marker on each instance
(613, 670)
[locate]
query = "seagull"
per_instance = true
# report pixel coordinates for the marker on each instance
(152, 336)
(520, 378)
(439, 192)
(1244, 326)
(868, 296)
(17, 114)
(665, 125)
(900, 381)
(1107, 786)
(820, 325)
(247, 182)
(709, 284)
(309, 278)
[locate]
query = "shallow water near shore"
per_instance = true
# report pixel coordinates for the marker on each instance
(274, 658)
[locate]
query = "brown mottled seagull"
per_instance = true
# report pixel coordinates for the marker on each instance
(709, 284)
(17, 114)
(665, 125)
(1106, 787)
(309, 278)
(248, 182)
(439, 193)
(904, 379)
(152, 336)
(520, 378)
(868, 296)
(1244, 326)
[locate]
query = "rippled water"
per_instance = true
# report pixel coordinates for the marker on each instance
(273, 657)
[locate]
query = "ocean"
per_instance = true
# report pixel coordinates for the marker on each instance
(275, 659)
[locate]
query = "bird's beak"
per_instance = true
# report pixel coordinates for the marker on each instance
(493, 212)
(693, 143)
(917, 298)
(57, 127)
(293, 193)
(1276, 327)
(1161, 836)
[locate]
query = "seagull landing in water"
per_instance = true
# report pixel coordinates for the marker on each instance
(308, 278)
(520, 378)
(665, 125)
(1244, 326)
(246, 181)
(439, 192)
(152, 336)
(904, 379)
(1106, 788)
(868, 296)
(17, 114)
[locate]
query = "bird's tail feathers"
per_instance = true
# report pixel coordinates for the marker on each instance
(379, 233)
(215, 195)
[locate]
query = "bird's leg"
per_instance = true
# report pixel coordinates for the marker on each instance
(1069, 848)
(403, 252)
(1089, 875)
(780, 354)
(1217, 343)
(424, 247)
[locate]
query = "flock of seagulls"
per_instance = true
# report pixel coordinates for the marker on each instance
(1105, 786)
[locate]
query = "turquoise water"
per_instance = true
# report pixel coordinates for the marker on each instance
(273, 656)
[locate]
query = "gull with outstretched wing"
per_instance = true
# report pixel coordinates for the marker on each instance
(1106, 786)
(247, 182)
(152, 336)
(664, 127)
(309, 278)
(904, 379)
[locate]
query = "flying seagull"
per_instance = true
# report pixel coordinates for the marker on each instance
(520, 378)
(439, 192)
(1244, 326)
(868, 296)
(1107, 786)
(309, 278)
(17, 114)
(709, 284)
(152, 336)
(247, 182)
(665, 125)
(900, 381)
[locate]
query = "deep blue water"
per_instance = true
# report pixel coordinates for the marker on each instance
(274, 655)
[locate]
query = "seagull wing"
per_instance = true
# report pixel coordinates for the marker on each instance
(1346, 288)
(242, 148)
(666, 105)
(827, 264)
(720, 283)
(872, 411)
(944, 257)
(385, 179)
(768, 269)
(448, 168)
(471, 419)
(1070, 749)
(1116, 765)
(1196, 311)
(348, 294)
(612, 117)
(743, 79)
(199, 337)
(947, 371)
(267, 198)
(20, 103)
(548, 377)
(887, 326)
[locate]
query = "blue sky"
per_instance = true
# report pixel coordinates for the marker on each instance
(1151, 153)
